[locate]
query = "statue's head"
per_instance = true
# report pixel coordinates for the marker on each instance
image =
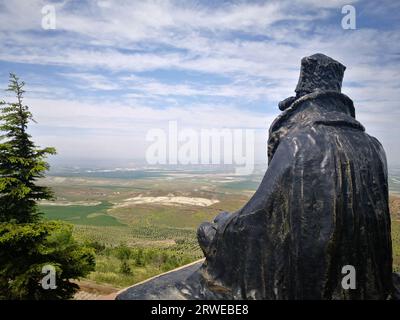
(319, 73)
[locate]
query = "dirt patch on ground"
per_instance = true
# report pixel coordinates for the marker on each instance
(168, 201)
(90, 290)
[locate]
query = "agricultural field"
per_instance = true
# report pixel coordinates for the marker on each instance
(95, 214)
(143, 222)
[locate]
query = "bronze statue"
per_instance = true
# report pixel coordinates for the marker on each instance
(322, 205)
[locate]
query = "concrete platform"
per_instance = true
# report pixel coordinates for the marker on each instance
(161, 287)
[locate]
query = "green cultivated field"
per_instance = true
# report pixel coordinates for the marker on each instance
(82, 215)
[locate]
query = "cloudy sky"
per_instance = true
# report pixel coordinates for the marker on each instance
(112, 70)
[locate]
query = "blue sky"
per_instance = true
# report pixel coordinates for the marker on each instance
(112, 70)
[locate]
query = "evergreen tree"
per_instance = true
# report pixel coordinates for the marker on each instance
(27, 243)
(21, 162)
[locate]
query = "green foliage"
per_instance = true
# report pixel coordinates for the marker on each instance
(26, 248)
(124, 254)
(97, 246)
(28, 244)
(21, 162)
(125, 268)
(140, 258)
(142, 264)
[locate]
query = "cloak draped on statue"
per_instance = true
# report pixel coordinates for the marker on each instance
(322, 205)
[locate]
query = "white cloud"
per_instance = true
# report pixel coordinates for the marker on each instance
(255, 46)
(125, 118)
(91, 81)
